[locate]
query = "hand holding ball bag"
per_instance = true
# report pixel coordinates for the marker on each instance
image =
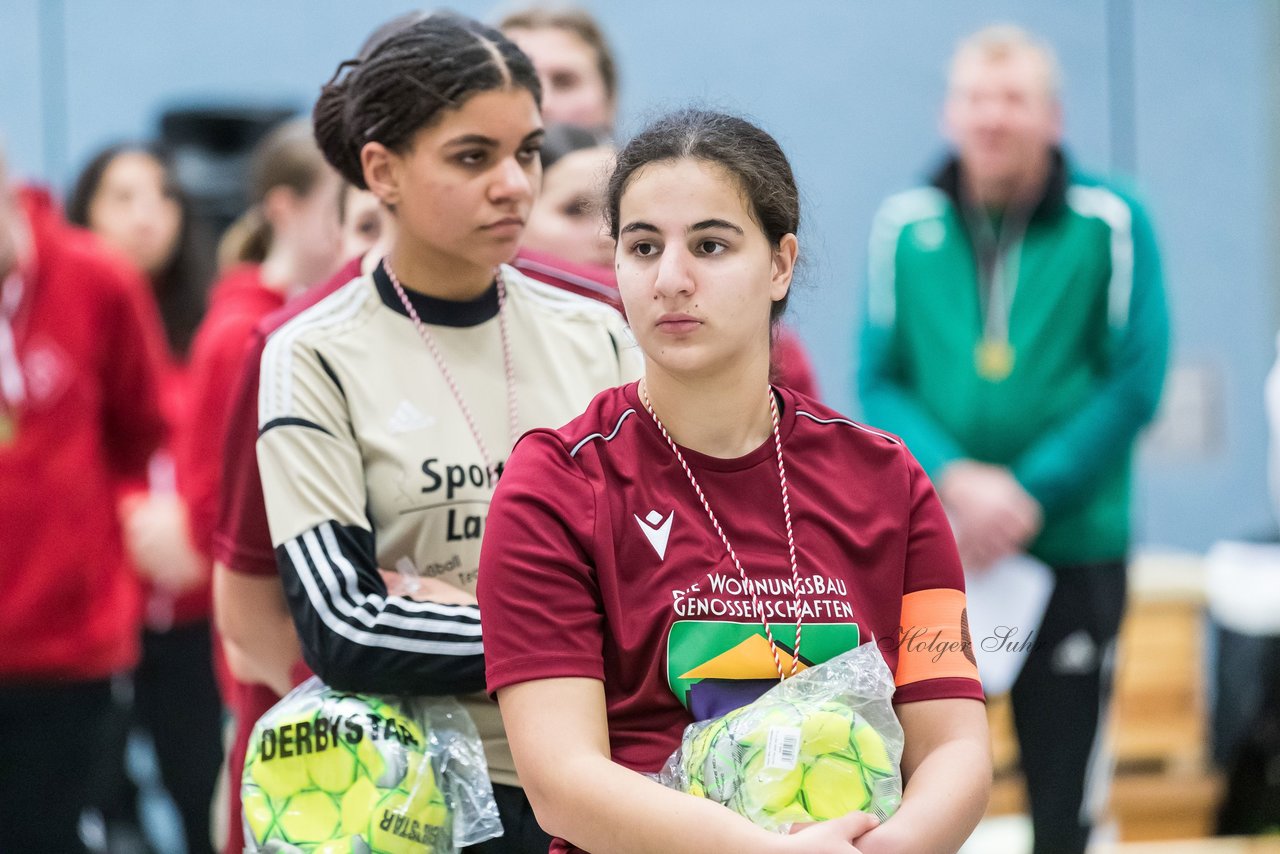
(817, 746)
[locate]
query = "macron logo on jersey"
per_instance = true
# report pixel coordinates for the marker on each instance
(656, 530)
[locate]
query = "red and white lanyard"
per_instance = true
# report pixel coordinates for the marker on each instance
(513, 410)
(715, 523)
(13, 388)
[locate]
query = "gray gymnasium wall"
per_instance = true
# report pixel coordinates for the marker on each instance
(1179, 95)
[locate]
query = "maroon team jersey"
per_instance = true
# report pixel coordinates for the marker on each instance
(241, 540)
(600, 562)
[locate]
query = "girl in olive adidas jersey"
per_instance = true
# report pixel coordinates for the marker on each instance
(653, 562)
(387, 409)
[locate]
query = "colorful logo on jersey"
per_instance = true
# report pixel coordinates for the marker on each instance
(715, 666)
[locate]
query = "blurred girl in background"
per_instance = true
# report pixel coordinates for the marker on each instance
(128, 196)
(565, 243)
(574, 63)
(287, 241)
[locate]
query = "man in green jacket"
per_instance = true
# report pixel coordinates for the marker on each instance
(1016, 337)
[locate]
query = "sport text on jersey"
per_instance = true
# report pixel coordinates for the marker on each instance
(456, 477)
(453, 478)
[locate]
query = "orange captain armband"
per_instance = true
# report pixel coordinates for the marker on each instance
(935, 641)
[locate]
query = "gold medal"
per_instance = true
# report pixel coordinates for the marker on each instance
(994, 359)
(8, 429)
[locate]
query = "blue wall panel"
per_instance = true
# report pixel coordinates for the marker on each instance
(1205, 158)
(21, 112)
(853, 91)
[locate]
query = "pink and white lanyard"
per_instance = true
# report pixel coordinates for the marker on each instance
(513, 411)
(715, 523)
(13, 387)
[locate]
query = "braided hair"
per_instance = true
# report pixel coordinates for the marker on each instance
(406, 81)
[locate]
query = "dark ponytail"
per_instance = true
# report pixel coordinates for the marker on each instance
(286, 157)
(405, 81)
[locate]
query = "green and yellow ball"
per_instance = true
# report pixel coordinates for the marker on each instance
(841, 763)
(339, 773)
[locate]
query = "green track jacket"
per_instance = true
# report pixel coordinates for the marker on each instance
(1089, 328)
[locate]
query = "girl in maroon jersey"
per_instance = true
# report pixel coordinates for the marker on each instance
(622, 549)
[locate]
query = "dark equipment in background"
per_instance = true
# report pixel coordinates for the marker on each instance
(211, 147)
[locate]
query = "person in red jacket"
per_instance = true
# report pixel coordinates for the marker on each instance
(298, 204)
(127, 194)
(286, 242)
(80, 354)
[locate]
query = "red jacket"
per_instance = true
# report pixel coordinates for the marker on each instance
(163, 610)
(89, 346)
(237, 303)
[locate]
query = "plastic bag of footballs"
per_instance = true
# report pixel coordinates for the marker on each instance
(331, 772)
(814, 747)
